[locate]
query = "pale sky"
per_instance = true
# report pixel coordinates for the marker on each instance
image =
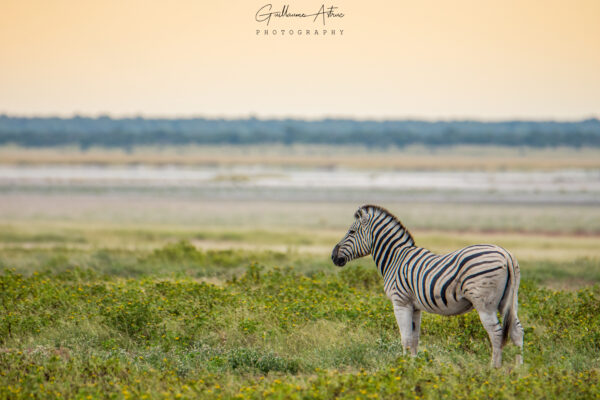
(395, 59)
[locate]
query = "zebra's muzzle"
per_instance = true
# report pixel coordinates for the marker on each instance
(337, 260)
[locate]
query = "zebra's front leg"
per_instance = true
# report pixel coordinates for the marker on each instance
(416, 329)
(404, 318)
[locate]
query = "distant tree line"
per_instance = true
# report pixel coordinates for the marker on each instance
(129, 132)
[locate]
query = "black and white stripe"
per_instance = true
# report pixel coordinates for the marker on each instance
(485, 277)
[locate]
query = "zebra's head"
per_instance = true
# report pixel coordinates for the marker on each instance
(357, 242)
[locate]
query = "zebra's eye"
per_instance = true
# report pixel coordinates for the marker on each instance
(351, 232)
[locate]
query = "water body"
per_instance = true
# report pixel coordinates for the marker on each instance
(272, 183)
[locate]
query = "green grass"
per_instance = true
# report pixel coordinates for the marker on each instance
(121, 309)
(274, 333)
(563, 275)
(181, 259)
(178, 259)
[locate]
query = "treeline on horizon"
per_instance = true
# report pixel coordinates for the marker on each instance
(105, 131)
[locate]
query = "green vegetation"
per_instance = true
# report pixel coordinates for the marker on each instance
(273, 333)
(180, 322)
(180, 260)
(141, 296)
(128, 132)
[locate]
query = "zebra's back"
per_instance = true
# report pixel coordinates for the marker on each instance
(452, 283)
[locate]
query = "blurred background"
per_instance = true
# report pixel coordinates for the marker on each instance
(128, 126)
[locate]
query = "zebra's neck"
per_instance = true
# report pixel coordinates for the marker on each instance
(389, 236)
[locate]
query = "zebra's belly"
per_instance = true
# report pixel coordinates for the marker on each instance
(454, 307)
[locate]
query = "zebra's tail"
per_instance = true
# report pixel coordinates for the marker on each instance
(509, 302)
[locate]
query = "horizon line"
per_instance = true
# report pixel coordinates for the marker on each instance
(254, 116)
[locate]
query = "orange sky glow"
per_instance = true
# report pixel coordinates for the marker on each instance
(394, 59)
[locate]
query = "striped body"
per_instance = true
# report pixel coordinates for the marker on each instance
(443, 284)
(485, 277)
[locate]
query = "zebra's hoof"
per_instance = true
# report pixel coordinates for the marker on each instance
(519, 359)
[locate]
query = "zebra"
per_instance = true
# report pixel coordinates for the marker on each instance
(485, 277)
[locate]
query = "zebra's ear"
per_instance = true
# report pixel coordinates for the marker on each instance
(362, 215)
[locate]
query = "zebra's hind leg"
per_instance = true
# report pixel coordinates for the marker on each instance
(516, 335)
(404, 318)
(490, 322)
(416, 329)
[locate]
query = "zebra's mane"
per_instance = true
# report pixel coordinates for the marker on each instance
(386, 212)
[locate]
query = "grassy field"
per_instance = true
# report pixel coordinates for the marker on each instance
(129, 293)
(104, 299)
(273, 333)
